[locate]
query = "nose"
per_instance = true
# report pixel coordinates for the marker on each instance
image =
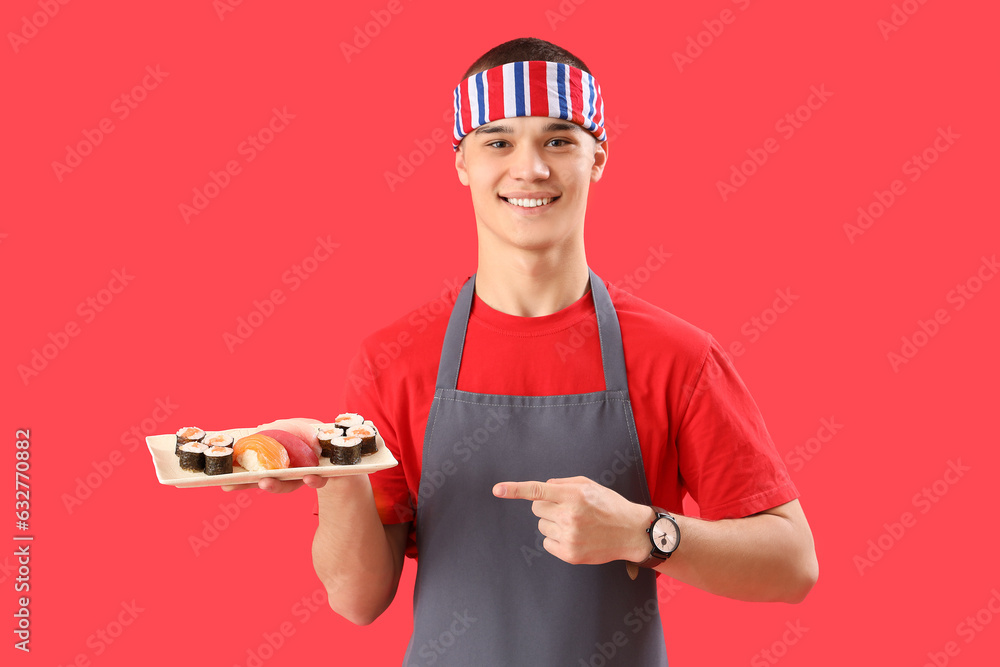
(527, 163)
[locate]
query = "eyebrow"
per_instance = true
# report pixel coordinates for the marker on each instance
(555, 126)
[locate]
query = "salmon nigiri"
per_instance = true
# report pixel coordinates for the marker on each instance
(259, 452)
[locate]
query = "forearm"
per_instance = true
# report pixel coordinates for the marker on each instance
(352, 554)
(768, 556)
(762, 558)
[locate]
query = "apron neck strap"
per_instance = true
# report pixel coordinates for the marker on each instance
(612, 354)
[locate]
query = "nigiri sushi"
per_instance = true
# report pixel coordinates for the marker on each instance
(300, 453)
(258, 452)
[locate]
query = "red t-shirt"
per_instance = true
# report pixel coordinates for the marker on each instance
(699, 429)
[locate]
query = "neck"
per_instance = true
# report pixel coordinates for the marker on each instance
(530, 283)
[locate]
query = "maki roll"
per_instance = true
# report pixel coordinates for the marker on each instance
(349, 419)
(325, 435)
(186, 435)
(219, 460)
(346, 451)
(192, 456)
(331, 429)
(218, 440)
(367, 435)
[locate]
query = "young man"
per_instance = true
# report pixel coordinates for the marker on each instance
(541, 490)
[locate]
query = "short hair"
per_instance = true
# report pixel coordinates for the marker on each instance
(522, 49)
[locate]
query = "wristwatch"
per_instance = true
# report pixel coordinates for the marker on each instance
(664, 536)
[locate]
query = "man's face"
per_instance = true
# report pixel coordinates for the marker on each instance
(534, 157)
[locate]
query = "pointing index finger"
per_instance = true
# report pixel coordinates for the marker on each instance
(527, 491)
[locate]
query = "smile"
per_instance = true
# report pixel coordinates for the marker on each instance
(530, 203)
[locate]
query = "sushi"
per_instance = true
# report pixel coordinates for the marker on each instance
(367, 435)
(326, 448)
(218, 440)
(346, 451)
(343, 442)
(330, 429)
(218, 460)
(259, 452)
(349, 419)
(300, 453)
(325, 434)
(192, 456)
(187, 434)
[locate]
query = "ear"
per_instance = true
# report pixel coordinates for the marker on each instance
(600, 160)
(463, 172)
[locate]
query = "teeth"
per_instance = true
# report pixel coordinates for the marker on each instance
(530, 203)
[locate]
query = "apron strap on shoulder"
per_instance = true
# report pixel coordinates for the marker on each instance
(609, 330)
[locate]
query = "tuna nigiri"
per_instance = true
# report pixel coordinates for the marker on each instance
(258, 452)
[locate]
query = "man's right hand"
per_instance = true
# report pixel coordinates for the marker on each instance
(358, 559)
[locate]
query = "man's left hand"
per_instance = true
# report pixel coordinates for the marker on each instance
(584, 522)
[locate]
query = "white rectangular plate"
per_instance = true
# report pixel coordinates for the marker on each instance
(169, 471)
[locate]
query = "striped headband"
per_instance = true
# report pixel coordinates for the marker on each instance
(529, 88)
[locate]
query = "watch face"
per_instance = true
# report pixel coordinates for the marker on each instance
(664, 535)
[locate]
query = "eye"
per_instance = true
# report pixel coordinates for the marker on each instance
(561, 142)
(498, 141)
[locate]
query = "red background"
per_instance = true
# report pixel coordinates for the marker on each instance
(675, 132)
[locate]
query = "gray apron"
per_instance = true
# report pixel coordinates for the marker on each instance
(486, 591)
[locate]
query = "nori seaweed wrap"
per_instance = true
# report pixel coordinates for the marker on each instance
(346, 451)
(367, 435)
(187, 434)
(192, 456)
(219, 461)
